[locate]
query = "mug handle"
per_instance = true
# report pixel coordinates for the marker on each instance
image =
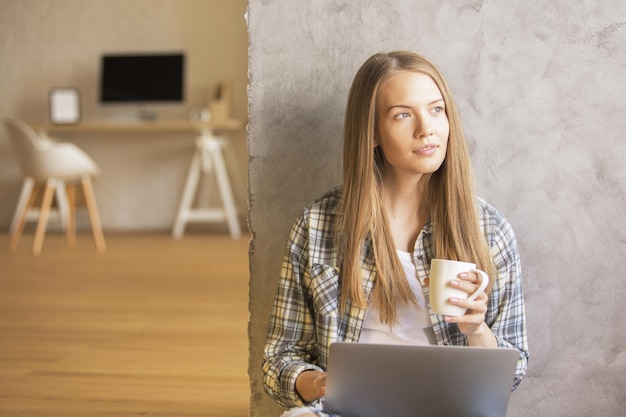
(483, 284)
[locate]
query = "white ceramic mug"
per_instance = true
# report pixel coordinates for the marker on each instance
(442, 271)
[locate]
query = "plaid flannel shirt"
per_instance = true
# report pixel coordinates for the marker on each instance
(306, 319)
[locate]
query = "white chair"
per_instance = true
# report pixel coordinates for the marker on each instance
(55, 168)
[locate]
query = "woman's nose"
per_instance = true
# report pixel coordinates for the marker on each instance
(423, 128)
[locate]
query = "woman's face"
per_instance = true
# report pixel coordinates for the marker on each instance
(413, 127)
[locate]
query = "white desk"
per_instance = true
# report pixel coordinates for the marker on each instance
(140, 126)
(207, 159)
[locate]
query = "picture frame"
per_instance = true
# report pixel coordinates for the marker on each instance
(64, 105)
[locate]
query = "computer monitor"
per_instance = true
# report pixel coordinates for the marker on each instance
(142, 78)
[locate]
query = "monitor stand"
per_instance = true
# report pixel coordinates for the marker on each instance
(145, 114)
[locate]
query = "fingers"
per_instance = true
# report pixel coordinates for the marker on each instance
(473, 321)
(476, 309)
(321, 385)
(470, 321)
(466, 281)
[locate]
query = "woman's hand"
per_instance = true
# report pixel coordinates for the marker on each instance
(472, 323)
(311, 385)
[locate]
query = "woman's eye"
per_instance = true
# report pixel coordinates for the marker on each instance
(402, 115)
(438, 109)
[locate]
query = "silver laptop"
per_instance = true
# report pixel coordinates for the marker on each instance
(370, 380)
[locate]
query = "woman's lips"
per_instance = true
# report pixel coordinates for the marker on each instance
(428, 149)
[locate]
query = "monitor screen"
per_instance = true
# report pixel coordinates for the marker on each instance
(137, 78)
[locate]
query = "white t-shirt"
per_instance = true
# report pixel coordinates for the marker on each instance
(413, 325)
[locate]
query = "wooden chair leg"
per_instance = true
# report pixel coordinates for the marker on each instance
(70, 226)
(25, 193)
(92, 210)
(43, 216)
(21, 219)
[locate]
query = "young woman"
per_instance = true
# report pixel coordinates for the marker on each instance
(358, 257)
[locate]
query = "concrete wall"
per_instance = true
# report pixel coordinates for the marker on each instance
(542, 92)
(52, 43)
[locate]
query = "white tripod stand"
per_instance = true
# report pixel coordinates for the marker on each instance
(207, 159)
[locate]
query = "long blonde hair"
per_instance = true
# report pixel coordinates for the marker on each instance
(448, 192)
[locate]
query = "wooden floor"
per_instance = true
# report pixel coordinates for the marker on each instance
(154, 327)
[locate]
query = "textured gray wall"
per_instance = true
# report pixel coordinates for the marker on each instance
(541, 90)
